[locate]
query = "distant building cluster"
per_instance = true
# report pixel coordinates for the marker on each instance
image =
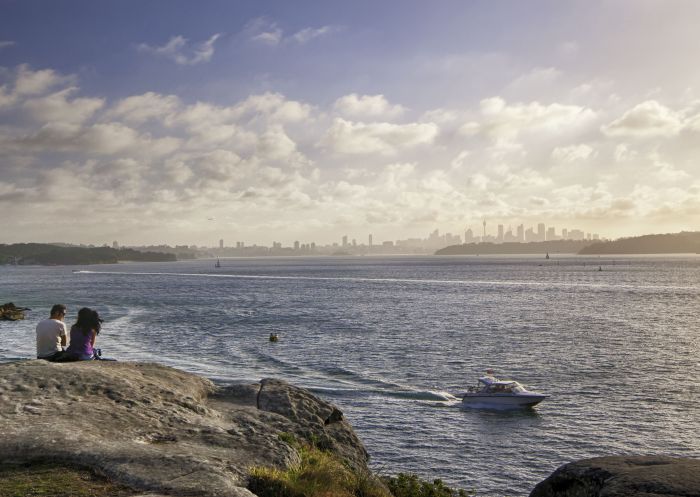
(541, 233)
(434, 241)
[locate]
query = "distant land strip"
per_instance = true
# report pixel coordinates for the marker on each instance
(516, 248)
(48, 254)
(686, 242)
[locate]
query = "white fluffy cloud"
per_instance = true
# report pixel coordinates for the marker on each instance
(181, 51)
(645, 120)
(346, 137)
(273, 160)
(573, 153)
(504, 122)
(370, 107)
(141, 108)
(58, 107)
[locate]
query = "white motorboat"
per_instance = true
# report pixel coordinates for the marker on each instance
(495, 393)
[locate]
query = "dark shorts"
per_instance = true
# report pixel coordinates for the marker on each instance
(58, 356)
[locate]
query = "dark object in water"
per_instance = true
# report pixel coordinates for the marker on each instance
(274, 337)
(10, 312)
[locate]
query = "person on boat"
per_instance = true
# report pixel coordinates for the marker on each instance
(83, 335)
(51, 334)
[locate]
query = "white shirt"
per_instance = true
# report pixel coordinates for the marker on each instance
(48, 337)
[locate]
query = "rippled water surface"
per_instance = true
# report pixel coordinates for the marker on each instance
(389, 339)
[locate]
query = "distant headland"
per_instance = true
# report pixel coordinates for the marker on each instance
(686, 242)
(48, 254)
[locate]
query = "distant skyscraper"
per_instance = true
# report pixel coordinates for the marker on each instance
(540, 232)
(484, 228)
(551, 233)
(500, 233)
(468, 236)
(521, 233)
(115, 244)
(564, 234)
(296, 245)
(221, 243)
(370, 240)
(345, 240)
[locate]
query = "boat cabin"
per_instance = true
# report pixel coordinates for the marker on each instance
(491, 385)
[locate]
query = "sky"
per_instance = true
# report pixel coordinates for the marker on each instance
(184, 122)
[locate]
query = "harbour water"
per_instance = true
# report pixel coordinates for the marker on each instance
(392, 340)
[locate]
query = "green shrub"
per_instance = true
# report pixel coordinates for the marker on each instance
(409, 485)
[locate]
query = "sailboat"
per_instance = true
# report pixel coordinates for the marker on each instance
(547, 256)
(218, 263)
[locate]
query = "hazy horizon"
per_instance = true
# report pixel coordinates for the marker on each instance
(182, 123)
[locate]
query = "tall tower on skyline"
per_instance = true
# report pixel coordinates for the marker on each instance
(370, 240)
(484, 228)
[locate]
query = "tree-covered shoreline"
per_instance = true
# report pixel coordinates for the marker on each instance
(54, 255)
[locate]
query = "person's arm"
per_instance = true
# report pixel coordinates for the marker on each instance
(64, 338)
(92, 339)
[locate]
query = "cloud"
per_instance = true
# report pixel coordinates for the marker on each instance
(179, 50)
(267, 32)
(57, 107)
(648, 119)
(346, 137)
(573, 153)
(367, 106)
(307, 34)
(100, 139)
(6, 44)
(262, 30)
(503, 122)
(539, 78)
(30, 82)
(141, 108)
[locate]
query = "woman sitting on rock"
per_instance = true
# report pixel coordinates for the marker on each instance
(82, 336)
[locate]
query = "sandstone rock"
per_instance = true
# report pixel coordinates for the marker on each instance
(10, 312)
(621, 476)
(158, 429)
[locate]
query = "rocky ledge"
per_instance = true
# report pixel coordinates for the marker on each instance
(157, 429)
(623, 476)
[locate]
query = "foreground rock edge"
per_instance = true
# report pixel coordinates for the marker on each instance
(158, 429)
(623, 476)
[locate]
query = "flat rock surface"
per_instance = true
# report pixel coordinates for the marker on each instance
(158, 429)
(622, 476)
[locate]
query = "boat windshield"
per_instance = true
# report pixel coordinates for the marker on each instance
(511, 387)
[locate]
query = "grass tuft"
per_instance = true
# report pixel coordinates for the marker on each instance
(323, 474)
(54, 480)
(319, 474)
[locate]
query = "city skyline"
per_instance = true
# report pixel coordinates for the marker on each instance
(434, 240)
(306, 121)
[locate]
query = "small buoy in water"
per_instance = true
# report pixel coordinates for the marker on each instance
(274, 337)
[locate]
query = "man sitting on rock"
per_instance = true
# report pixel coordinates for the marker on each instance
(51, 335)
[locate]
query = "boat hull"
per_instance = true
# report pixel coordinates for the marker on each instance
(501, 400)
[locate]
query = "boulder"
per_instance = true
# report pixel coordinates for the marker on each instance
(10, 312)
(621, 476)
(158, 429)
